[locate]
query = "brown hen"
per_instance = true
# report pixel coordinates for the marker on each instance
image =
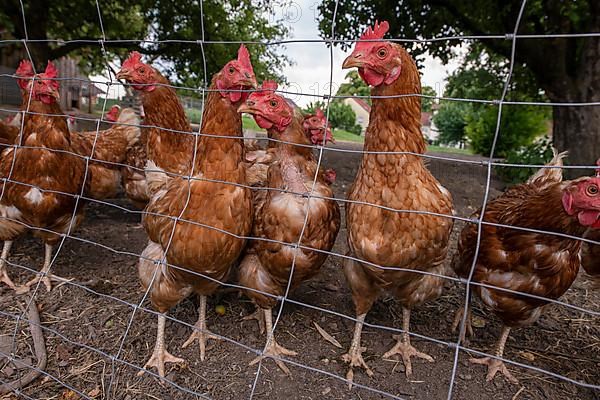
(281, 215)
(166, 140)
(109, 149)
(394, 240)
(205, 243)
(539, 264)
(44, 177)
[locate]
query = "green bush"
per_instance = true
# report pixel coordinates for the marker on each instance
(519, 127)
(536, 153)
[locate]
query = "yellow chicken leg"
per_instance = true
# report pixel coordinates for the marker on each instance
(4, 278)
(273, 349)
(44, 275)
(403, 347)
(354, 354)
(160, 356)
(201, 333)
(494, 365)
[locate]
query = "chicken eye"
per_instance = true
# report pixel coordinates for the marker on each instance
(381, 53)
(592, 190)
(141, 70)
(231, 70)
(273, 103)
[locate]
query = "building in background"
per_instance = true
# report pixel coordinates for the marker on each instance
(77, 91)
(362, 109)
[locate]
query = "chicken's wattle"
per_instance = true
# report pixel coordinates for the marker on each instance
(371, 77)
(263, 122)
(589, 218)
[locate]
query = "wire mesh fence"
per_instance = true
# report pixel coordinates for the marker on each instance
(99, 327)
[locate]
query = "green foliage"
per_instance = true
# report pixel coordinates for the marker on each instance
(519, 126)
(559, 66)
(435, 19)
(536, 153)
(427, 102)
(482, 76)
(354, 87)
(160, 20)
(341, 116)
(451, 122)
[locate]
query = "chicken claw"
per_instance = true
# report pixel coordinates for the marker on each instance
(273, 349)
(44, 275)
(355, 359)
(406, 351)
(160, 355)
(468, 331)
(4, 278)
(494, 366)
(201, 332)
(403, 346)
(259, 316)
(354, 355)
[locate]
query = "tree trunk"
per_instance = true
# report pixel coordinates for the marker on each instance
(577, 129)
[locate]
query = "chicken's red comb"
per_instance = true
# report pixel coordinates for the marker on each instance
(133, 59)
(377, 32)
(319, 113)
(244, 57)
(25, 69)
(51, 71)
(268, 86)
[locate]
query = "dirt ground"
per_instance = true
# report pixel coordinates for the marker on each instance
(85, 327)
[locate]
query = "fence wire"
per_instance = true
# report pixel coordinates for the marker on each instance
(117, 359)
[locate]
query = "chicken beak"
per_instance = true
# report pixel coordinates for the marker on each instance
(353, 60)
(247, 107)
(54, 93)
(124, 74)
(249, 80)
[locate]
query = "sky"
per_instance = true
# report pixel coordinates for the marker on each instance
(311, 70)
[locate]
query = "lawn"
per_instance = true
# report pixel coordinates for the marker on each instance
(345, 136)
(249, 123)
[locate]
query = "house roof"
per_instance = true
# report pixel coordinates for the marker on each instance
(362, 103)
(425, 118)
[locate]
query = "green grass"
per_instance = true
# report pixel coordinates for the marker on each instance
(249, 123)
(451, 150)
(345, 136)
(193, 115)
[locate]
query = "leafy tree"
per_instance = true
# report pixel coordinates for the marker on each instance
(566, 68)
(341, 116)
(481, 77)
(536, 153)
(451, 123)
(519, 126)
(355, 87)
(427, 102)
(160, 21)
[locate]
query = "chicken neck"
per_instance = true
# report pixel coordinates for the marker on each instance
(220, 149)
(395, 121)
(48, 116)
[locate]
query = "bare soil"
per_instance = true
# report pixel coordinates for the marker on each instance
(93, 349)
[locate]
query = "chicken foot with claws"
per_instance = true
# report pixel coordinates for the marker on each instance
(404, 348)
(201, 332)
